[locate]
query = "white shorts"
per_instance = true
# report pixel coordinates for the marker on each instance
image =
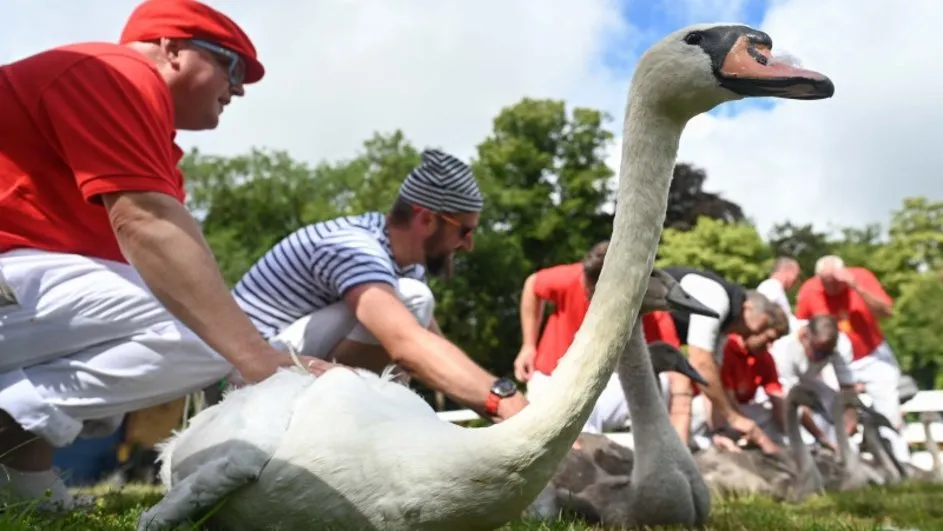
(87, 342)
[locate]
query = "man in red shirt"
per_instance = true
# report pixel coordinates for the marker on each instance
(748, 367)
(855, 297)
(569, 288)
(110, 299)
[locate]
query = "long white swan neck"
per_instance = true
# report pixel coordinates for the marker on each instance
(649, 150)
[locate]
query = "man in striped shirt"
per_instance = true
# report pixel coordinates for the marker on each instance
(353, 288)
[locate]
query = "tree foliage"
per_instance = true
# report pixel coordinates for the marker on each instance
(548, 200)
(735, 251)
(688, 202)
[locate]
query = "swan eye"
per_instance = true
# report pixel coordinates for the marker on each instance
(694, 38)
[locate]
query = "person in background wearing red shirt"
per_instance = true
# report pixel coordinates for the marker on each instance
(569, 288)
(747, 368)
(855, 297)
(110, 299)
(740, 311)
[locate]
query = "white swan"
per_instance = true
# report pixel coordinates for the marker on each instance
(351, 451)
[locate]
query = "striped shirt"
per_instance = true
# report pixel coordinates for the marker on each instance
(315, 266)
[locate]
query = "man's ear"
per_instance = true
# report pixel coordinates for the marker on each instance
(170, 49)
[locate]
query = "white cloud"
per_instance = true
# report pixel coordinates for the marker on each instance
(340, 70)
(849, 160)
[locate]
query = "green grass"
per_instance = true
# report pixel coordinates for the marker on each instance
(914, 506)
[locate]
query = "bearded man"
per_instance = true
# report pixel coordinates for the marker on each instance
(353, 289)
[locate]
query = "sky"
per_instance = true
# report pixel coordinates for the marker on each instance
(340, 70)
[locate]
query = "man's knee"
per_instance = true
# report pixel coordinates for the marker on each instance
(418, 297)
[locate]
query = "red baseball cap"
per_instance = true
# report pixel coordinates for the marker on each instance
(189, 19)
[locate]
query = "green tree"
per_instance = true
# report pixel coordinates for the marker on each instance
(687, 200)
(801, 242)
(915, 243)
(733, 250)
(914, 330)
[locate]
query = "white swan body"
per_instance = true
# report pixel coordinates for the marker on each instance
(359, 454)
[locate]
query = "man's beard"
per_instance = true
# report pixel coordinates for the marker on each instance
(438, 261)
(440, 265)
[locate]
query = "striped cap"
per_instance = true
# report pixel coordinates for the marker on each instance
(442, 183)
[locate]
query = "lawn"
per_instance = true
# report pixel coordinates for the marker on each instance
(902, 507)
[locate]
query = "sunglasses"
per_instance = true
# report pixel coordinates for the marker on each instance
(236, 67)
(463, 230)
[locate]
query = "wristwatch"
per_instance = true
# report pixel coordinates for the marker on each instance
(501, 388)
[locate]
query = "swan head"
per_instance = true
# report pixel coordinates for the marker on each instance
(698, 67)
(667, 358)
(665, 293)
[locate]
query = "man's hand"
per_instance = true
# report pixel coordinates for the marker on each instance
(260, 367)
(845, 277)
(315, 366)
(752, 432)
(725, 443)
(510, 406)
(524, 363)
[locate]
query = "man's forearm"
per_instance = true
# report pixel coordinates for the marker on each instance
(532, 308)
(877, 305)
(439, 364)
(168, 250)
(680, 403)
(809, 424)
(703, 363)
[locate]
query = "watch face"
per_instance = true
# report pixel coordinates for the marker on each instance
(504, 387)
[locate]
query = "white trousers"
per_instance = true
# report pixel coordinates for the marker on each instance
(611, 411)
(317, 334)
(87, 342)
(700, 413)
(880, 374)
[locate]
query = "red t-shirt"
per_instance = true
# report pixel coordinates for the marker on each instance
(744, 372)
(564, 287)
(659, 326)
(854, 316)
(75, 122)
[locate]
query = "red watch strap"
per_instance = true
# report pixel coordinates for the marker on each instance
(491, 404)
